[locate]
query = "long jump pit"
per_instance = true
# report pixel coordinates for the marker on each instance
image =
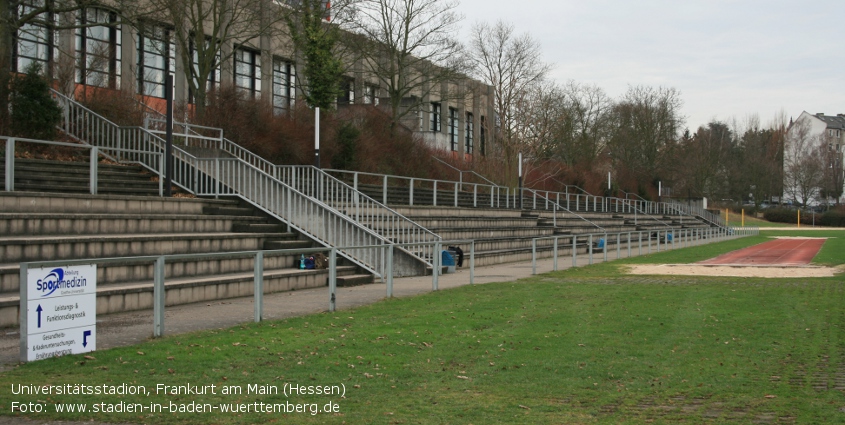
(784, 257)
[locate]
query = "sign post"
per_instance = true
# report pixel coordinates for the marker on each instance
(58, 311)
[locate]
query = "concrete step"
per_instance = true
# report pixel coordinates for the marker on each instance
(354, 279)
(38, 224)
(20, 249)
(64, 203)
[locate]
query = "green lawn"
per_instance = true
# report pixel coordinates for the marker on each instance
(587, 345)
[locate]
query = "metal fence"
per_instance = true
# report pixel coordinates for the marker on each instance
(671, 238)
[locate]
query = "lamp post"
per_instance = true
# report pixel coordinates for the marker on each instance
(520, 179)
(317, 137)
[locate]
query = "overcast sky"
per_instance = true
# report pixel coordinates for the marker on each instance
(729, 59)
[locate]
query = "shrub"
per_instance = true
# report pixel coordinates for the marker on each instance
(34, 112)
(833, 218)
(780, 215)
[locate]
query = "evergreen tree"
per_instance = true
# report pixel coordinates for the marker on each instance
(34, 112)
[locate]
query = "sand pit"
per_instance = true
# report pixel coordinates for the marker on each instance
(735, 271)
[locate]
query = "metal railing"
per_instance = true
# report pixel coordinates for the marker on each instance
(115, 154)
(483, 194)
(317, 184)
(216, 176)
(671, 238)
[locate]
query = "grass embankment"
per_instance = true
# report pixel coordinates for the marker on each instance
(586, 345)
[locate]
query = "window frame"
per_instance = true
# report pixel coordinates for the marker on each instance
(41, 37)
(454, 123)
(253, 68)
(283, 85)
(469, 131)
(168, 62)
(112, 42)
(434, 118)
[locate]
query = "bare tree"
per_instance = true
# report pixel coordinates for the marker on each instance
(411, 49)
(646, 121)
(802, 163)
(206, 30)
(512, 64)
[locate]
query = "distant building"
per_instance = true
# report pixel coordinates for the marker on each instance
(815, 140)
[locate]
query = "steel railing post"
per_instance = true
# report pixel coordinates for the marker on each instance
(158, 298)
(258, 281)
(472, 262)
(10, 164)
(95, 154)
(604, 248)
(435, 269)
(332, 279)
(389, 270)
(411, 194)
(618, 245)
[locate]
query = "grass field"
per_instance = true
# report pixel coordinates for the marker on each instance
(587, 345)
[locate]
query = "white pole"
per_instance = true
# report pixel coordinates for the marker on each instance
(317, 137)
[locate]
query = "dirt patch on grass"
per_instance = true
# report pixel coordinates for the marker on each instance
(734, 271)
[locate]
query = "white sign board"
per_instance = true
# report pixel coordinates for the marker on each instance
(61, 311)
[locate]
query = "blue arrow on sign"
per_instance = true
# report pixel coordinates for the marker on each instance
(85, 336)
(39, 310)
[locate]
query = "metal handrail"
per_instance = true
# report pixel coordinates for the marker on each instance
(558, 206)
(233, 177)
(392, 225)
(461, 172)
(359, 207)
(495, 190)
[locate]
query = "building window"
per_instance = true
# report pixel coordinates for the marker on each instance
(468, 134)
(347, 91)
(35, 42)
(283, 85)
(248, 71)
(213, 80)
(483, 136)
(370, 95)
(434, 117)
(98, 48)
(156, 60)
(453, 128)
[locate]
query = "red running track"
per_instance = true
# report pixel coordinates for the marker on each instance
(786, 252)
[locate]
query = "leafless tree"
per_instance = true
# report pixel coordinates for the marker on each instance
(205, 31)
(411, 49)
(512, 64)
(646, 121)
(803, 163)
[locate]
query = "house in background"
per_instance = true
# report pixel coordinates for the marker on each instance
(813, 159)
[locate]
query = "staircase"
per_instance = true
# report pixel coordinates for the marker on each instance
(74, 177)
(47, 226)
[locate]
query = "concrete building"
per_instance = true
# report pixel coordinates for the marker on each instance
(114, 55)
(813, 159)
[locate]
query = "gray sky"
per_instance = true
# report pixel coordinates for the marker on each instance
(729, 59)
